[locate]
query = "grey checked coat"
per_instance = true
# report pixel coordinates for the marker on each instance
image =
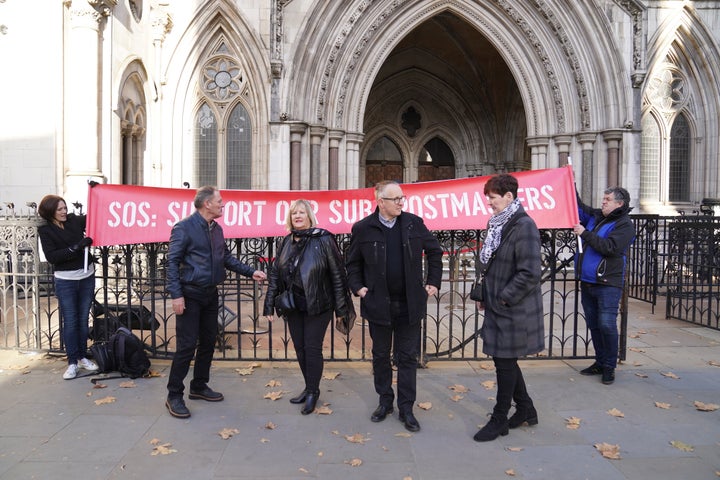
(513, 325)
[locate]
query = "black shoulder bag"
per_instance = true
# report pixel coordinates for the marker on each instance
(285, 301)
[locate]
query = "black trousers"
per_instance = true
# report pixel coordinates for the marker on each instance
(308, 333)
(510, 386)
(195, 333)
(403, 337)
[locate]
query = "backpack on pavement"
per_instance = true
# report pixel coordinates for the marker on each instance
(124, 352)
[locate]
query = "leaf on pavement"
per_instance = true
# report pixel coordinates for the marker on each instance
(273, 384)
(270, 426)
(486, 366)
(616, 413)
(161, 448)
(713, 363)
(662, 405)
(705, 407)
(641, 375)
(355, 462)
(573, 423)
(514, 449)
(635, 349)
(324, 410)
(608, 451)
(99, 385)
(403, 434)
(105, 401)
(669, 375)
(303, 470)
(264, 440)
(274, 395)
(128, 384)
(425, 405)
(153, 373)
(244, 371)
(330, 375)
(488, 384)
(510, 472)
(226, 433)
(356, 438)
(456, 398)
(682, 446)
(457, 388)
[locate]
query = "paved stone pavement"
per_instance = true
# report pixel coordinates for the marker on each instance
(53, 428)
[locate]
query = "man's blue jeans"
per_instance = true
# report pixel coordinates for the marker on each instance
(75, 298)
(601, 303)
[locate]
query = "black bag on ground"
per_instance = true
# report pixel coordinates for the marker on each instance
(123, 352)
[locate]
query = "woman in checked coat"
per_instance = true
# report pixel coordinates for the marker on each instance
(513, 325)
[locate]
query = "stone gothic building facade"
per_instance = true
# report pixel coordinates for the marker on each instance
(338, 94)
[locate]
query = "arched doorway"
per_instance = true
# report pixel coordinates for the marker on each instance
(384, 162)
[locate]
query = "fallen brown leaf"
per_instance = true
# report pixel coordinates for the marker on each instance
(128, 384)
(244, 371)
(331, 375)
(425, 405)
(456, 398)
(488, 384)
(682, 446)
(510, 472)
(608, 451)
(99, 385)
(616, 413)
(153, 373)
(713, 363)
(303, 470)
(162, 449)
(486, 366)
(105, 401)
(705, 407)
(355, 462)
(514, 449)
(573, 423)
(226, 433)
(635, 349)
(662, 405)
(264, 440)
(669, 375)
(356, 438)
(270, 426)
(459, 388)
(403, 435)
(274, 395)
(324, 410)
(641, 375)
(273, 384)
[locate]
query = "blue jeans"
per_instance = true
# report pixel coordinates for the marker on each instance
(600, 303)
(75, 298)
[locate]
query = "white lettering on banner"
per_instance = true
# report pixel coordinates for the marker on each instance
(238, 213)
(531, 199)
(450, 205)
(349, 211)
(130, 214)
(185, 209)
(282, 207)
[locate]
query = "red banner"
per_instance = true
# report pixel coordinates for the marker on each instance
(122, 214)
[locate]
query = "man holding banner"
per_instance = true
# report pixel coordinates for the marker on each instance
(197, 259)
(385, 269)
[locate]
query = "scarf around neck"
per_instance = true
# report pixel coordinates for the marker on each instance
(494, 231)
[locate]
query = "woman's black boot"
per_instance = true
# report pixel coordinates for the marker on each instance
(494, 428)
(310, 402)
(523, 415)
(300, 398)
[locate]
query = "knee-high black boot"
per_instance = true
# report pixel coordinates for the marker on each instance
(524, 408)
(498, 424)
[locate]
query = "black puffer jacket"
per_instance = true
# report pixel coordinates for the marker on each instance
(321, 274)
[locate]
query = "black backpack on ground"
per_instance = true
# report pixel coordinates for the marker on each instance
(124, 352)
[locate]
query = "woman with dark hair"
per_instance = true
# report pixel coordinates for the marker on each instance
(309, 265)
(64, 243)
(513, 325)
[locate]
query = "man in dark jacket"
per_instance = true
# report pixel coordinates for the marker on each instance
(196, 262)
(385, 269)
(605, 235)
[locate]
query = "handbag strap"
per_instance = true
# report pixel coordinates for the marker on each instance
(297, 260)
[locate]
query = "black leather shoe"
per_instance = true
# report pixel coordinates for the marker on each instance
(494, 428)
(177, 408)
(521, 416)
(310, 402)
(300, 398)
(410, 422)
(594, 369)
(608, 376)
(206, 393)
(380, 413)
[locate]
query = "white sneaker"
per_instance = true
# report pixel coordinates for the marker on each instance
(86, 364)
(71, 372)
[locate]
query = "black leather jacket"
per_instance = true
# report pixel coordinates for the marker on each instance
(60, 245)
(198, 256)
(321, 276)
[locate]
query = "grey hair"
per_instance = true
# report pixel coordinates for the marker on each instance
(203, 195)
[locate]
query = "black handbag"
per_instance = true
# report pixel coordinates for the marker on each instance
(285, 303)
(477, 293)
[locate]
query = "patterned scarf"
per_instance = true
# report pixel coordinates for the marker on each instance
(495, 227)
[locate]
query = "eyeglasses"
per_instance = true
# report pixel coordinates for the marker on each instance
(396, 200)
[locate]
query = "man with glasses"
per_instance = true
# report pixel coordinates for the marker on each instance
(605, 233)
(385, 269)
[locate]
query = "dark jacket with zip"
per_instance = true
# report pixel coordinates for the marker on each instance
(60, 245)
(320, 275)
(366, 266)
(198, 256)
(604, 243)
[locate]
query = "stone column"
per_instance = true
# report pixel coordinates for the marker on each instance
(352, 161)
(317, 133)
(335, 137)
(161, 26)
(538, 152)
(297, 130)
(563, 144)
(613, 139)
(82, 122)
(587, 143)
